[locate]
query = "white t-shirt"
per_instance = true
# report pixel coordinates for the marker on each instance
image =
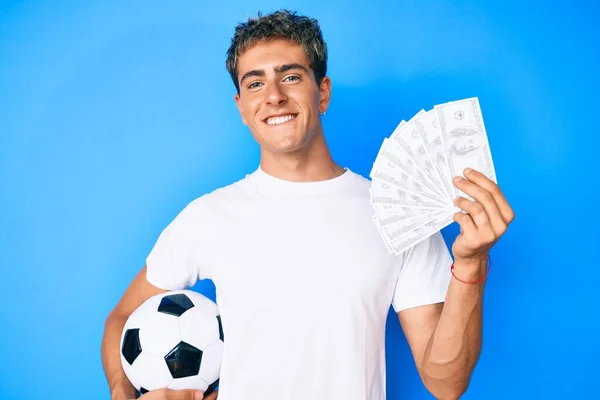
(304, 283)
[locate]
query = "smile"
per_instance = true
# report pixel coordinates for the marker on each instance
(280, 119)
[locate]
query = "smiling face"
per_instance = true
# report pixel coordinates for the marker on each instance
(279, 99)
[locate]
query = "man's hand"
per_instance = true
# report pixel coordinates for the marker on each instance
(486, 220)
(168, 394)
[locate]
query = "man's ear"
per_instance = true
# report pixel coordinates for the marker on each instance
(324, 94)
(238, 103)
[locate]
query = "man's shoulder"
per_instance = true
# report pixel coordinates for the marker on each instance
(360, 180)
(233, 192)
(359, 185)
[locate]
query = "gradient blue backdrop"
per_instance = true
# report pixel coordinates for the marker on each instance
(114, 115)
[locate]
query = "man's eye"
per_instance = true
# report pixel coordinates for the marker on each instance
(253, 85)
(291, 78)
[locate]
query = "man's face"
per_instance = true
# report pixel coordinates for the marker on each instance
(279, 99)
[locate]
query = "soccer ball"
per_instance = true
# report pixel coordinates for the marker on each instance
(173, 340)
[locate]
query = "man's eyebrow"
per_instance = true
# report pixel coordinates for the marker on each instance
(286, 67)
(278, 70)
(254, 72)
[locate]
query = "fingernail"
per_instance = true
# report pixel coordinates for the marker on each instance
(468, 170)
(457, 179)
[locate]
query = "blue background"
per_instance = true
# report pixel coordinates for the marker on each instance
(114, 115)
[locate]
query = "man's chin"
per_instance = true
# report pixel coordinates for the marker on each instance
(289, 144)
(284, 148)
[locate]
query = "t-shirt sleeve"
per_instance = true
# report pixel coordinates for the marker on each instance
(425, 274)
(180, 256)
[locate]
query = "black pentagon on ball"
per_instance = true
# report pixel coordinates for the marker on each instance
(184, 360)
(139, 393)
(132, 347)
(175, 304)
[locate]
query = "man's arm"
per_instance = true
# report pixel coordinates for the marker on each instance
(445, 338)
(120, 388)
(138, 291)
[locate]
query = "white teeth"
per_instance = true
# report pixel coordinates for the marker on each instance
(279, 120)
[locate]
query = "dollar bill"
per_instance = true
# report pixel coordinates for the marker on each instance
(386, 214)
(408, 139)
(411, 180)
(385, 192)
(397, 231)
(388, 172)
(387, 243)
(422, 232)
(396, 167)
(465, 139)
(399, 153)
(428, 128)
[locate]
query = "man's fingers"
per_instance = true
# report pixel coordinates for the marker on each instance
(476, 211)
(467, 226)
(489, 207)
(169, 394)
(186, 395)
(481, 180)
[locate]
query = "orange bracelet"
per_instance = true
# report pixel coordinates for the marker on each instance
(478, 280)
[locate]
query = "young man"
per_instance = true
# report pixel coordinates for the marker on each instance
(304, 281)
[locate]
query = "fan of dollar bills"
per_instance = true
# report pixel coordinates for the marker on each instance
(411, 180)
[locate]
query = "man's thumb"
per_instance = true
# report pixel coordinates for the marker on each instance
(187, 394)
(196, 395)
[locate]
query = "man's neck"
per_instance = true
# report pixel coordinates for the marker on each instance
(309, 164)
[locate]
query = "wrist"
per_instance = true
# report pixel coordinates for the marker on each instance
(472, 269)
(123, 391)
(120, 395)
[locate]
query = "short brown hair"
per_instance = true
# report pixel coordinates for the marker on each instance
(282, 24)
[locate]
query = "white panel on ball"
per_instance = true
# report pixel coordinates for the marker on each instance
(131, 372)
(141, 314)
(199, 327)
(212, 356)
(159, 334)
(189, 382)
(150, 372)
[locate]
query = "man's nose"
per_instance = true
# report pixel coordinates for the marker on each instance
(275, 95)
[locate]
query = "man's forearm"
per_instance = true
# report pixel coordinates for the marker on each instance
(119, 385)
(455, 345)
